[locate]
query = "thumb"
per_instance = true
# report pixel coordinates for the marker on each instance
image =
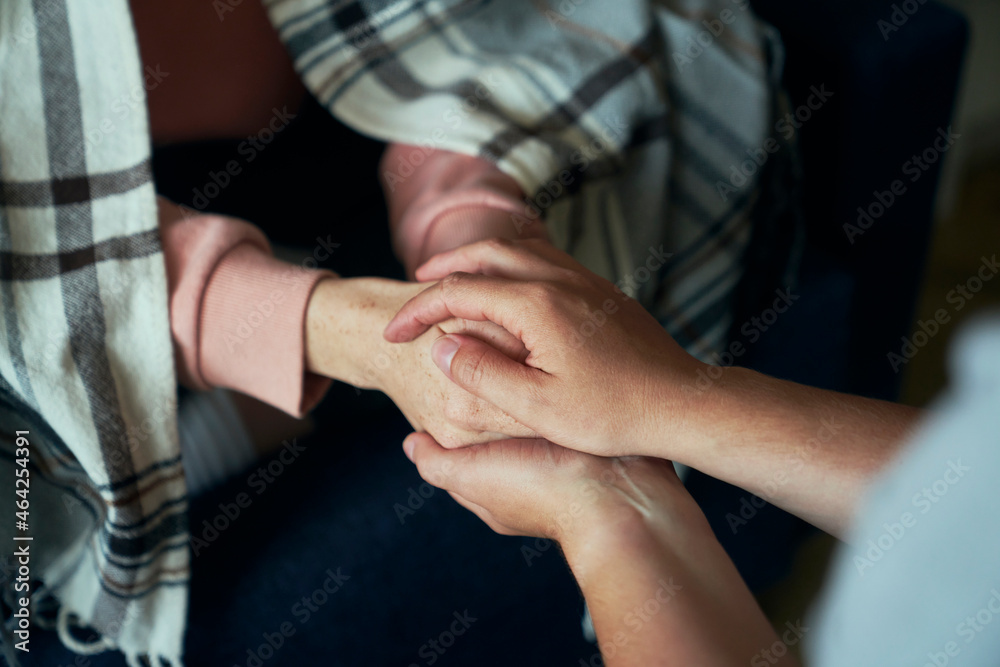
(435, 464)
(484, 371)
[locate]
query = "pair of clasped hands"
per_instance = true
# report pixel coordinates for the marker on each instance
(568, 393)
(580, 398)
(564, 403)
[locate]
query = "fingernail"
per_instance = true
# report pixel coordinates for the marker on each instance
(408, 444)
(443, 352)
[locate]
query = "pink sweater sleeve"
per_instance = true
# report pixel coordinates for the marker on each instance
(237, 314)
(439, 200)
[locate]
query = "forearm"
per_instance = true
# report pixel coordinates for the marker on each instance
(809, 451)
(344, 323)
(662, 591)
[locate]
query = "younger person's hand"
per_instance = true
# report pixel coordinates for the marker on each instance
(535, 488)
(633, 537)
(600, 370)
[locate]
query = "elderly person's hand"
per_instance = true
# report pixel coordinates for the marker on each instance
(343, 341)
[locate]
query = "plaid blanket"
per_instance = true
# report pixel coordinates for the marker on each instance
(86, 366)
(621, 120)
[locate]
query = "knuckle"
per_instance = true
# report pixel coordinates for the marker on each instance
(573, 278)
(536, 399)
(539, 293)
(454, 411)
(471, 369)
(548, 296)
(451, 439)
(499, 244)
(452, 282)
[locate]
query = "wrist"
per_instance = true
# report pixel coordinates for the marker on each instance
(720, 405)
(673, 533)
(642, 508)
(601, 539)
(344, 323)
(674, 407)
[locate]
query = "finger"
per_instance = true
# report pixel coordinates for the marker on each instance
(466, 296)
(502, 426)
(465, 470)
(491, 334)
(492, 376)
(476, 509)
(484, 514)
(499, 257)
(487, 420)
(478, 421)
(435, 464)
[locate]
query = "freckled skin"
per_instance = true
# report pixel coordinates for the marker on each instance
(344, 341)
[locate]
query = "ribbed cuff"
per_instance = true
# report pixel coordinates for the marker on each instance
(252, 330)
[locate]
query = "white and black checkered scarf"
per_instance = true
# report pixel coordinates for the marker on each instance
(619, 131)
